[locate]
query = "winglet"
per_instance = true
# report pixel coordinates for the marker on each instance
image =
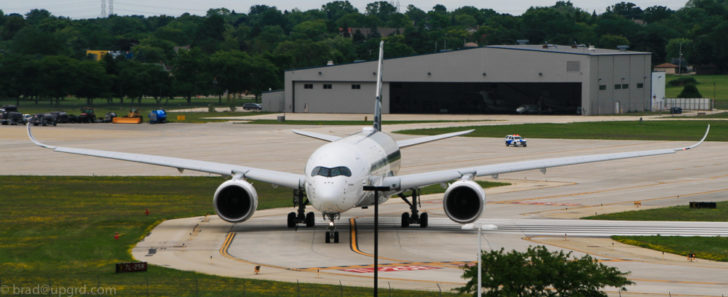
(699, 142)
(30, 135)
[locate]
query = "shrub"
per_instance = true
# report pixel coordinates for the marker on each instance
(690, 91)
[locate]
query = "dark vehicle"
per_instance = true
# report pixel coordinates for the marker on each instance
(87, 115)
(61, 117)
(109, 117)
(12, 118)
(675, 110)
(10, 108)
(252, 106)
(43, 119)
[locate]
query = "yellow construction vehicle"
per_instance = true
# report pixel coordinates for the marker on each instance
(132, 118)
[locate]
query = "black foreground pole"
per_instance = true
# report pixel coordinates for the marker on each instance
(376, 233)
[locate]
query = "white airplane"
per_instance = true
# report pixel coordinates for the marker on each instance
(336, 172)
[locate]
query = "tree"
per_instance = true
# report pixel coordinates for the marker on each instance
(612, 41)
(92, 81)
(690, 91)
(540, 272)
(189, 74)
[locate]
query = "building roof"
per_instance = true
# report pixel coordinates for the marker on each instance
(567, 49)
(666, 65)
(551, 48)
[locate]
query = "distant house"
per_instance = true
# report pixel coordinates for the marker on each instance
(668, 68)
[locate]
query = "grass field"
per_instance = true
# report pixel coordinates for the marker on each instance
(712, 248)
(646, 130)
(346, 123)
(58, 231)
(705, 86)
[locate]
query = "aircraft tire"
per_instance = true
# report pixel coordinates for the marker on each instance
(405, 220)
(291, 219)
(328, 237)
(310, 219)
(336, 237)
(423, 220)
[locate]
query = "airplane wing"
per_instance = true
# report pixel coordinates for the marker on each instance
(410, 181)
(415, 141)
(325, 137)
(284, 179)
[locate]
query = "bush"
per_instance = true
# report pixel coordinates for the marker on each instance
(690, 91)
(211, 108)
(682, 81)
(233, 108)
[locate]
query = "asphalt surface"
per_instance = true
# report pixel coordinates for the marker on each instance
(536, 209)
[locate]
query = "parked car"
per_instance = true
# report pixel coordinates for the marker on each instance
(61, 117)
(252, 106)
(12, 118)
(515, 140)
(43, 119)
(675, 110)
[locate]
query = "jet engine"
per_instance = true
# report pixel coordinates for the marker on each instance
(464, 201)
(235, 200)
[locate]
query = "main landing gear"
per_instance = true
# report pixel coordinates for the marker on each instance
(414, 217)
(331, 233)
(294, 218)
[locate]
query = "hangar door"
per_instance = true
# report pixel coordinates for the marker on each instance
(485, 98)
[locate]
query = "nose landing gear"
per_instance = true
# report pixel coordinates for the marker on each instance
(331, 233)
(300, 217)
(414, 217)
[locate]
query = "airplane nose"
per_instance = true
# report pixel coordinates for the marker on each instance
(328, 198)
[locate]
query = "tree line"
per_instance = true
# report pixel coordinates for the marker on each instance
(44, 56)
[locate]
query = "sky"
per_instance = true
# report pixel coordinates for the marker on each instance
(79, 9)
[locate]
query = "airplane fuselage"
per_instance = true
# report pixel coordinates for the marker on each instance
(336, 172)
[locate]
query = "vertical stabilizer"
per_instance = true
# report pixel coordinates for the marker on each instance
(378, 103)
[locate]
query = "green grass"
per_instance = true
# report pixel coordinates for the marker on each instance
(712, 248)
(204, 117)
(705, 86)
(59, 231)
(628, 130)
(675, 213)
(347, 123)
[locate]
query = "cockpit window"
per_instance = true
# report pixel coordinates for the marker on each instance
(331, 172)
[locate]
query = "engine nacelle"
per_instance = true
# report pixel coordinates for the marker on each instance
(235, 200)
(464, 201)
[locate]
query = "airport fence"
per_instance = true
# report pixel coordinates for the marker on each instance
(150, 284)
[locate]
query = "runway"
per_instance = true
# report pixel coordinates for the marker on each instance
(536, 209)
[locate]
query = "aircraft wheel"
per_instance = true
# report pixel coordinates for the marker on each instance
(291, 219)
(423, 220)
(328, 237)
(310, 219)
(336, 237)
(405, 220)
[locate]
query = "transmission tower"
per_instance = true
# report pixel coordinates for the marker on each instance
(103, 8)
(111, 7)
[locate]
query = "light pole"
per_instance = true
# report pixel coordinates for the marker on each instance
(480, 248)
(480, 256)
(376, 233)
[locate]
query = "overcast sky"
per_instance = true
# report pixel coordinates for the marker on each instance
(92, 8)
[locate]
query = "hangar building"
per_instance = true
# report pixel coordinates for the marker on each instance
(500, 79)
